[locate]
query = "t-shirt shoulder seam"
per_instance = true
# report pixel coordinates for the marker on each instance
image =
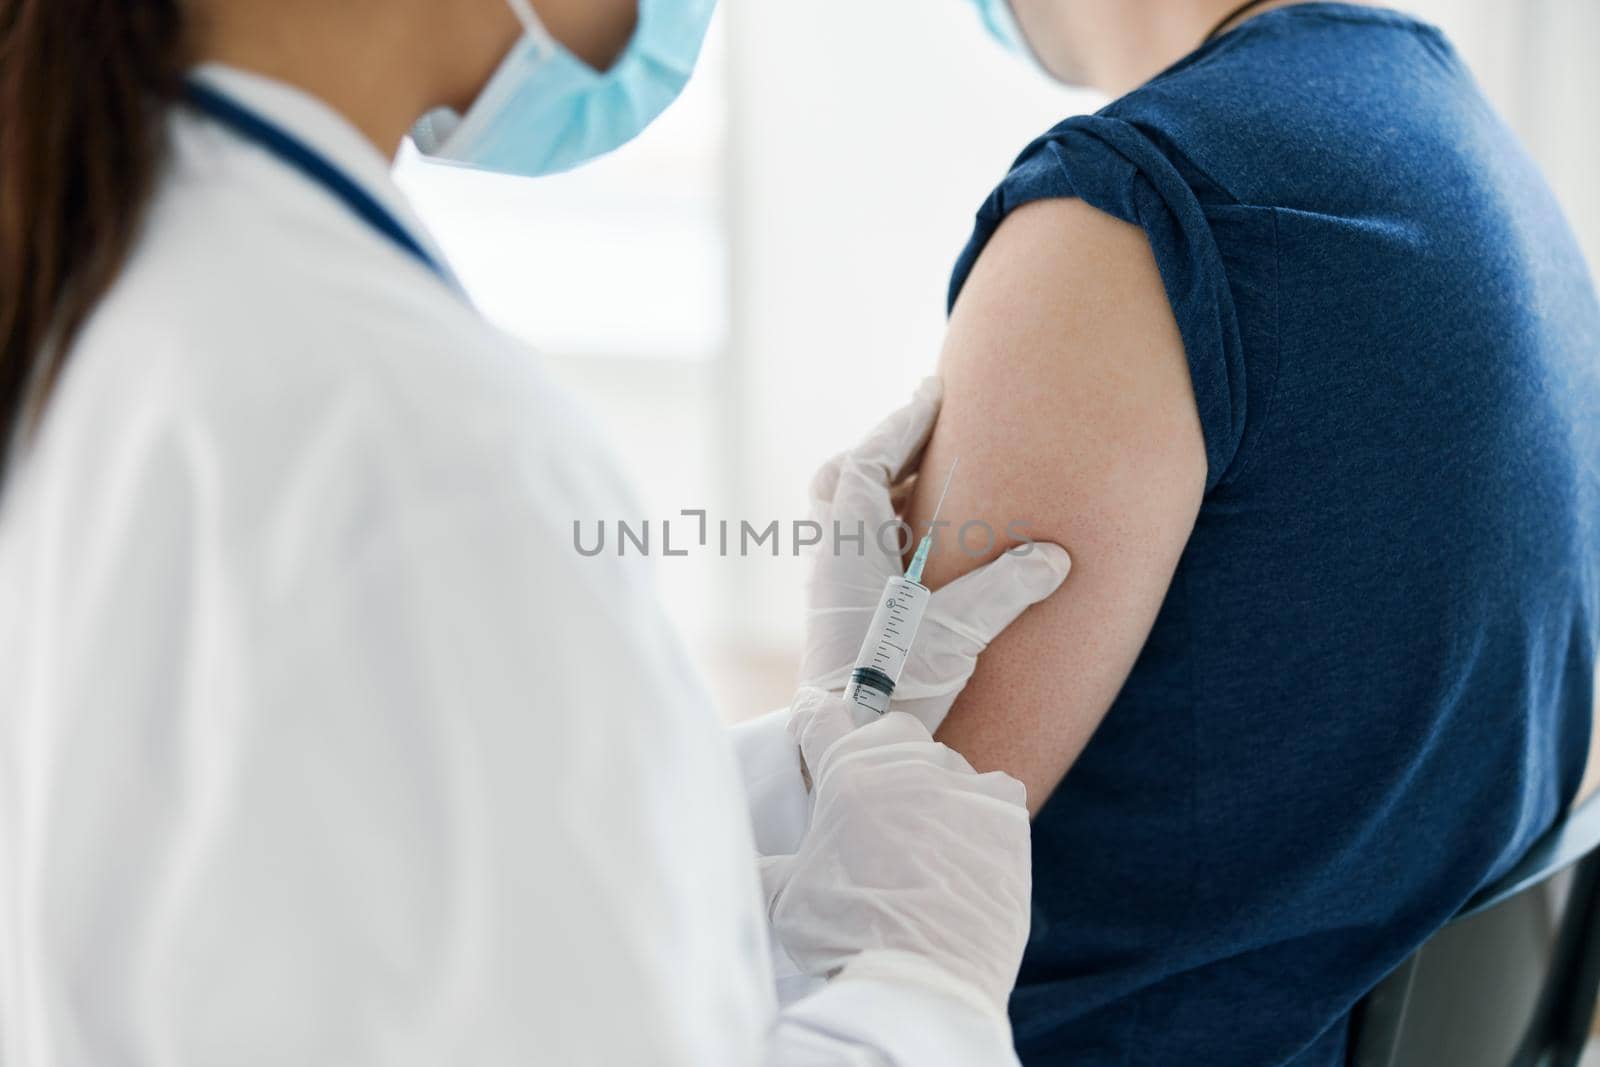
(1258, 440)
(1173, 153)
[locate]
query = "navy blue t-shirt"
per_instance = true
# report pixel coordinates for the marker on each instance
(1369, 687)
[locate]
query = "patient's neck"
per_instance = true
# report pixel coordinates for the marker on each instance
(1120, 45)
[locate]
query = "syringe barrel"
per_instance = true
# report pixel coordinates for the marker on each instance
(885, 649)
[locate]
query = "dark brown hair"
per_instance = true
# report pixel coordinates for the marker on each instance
(84, 85)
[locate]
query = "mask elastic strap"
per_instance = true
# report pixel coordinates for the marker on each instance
(540, 37)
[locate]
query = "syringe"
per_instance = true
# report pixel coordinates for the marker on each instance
(894, 627)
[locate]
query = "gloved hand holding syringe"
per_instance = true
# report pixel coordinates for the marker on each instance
(925, 645)
(920, 648)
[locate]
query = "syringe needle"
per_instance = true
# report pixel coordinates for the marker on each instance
(945, 491)
(920, 558)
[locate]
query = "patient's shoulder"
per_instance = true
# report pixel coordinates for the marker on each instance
(1063, 349)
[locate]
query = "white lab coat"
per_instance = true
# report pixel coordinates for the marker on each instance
(319, 742)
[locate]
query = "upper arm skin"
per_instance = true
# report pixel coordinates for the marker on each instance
(1069, 403)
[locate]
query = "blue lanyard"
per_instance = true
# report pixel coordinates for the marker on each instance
(297, 154)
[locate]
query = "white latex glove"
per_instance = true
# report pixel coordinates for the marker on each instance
(914, 866)
(845, 587)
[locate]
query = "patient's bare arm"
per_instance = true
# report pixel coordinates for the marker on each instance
(1068, 401)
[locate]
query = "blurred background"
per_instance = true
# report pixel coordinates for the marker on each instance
(746, 289)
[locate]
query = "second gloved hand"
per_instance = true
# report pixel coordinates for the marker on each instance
(855, 490)
(913, 864)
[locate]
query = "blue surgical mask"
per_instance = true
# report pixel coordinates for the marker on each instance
(545, 110)
(1001, 23)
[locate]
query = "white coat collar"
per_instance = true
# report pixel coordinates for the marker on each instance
(327, 132)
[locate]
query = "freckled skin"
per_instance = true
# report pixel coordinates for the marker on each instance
(1068, 400)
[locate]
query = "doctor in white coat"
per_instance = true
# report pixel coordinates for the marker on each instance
(319, 743)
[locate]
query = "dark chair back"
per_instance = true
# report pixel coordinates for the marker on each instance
(1512, 980)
